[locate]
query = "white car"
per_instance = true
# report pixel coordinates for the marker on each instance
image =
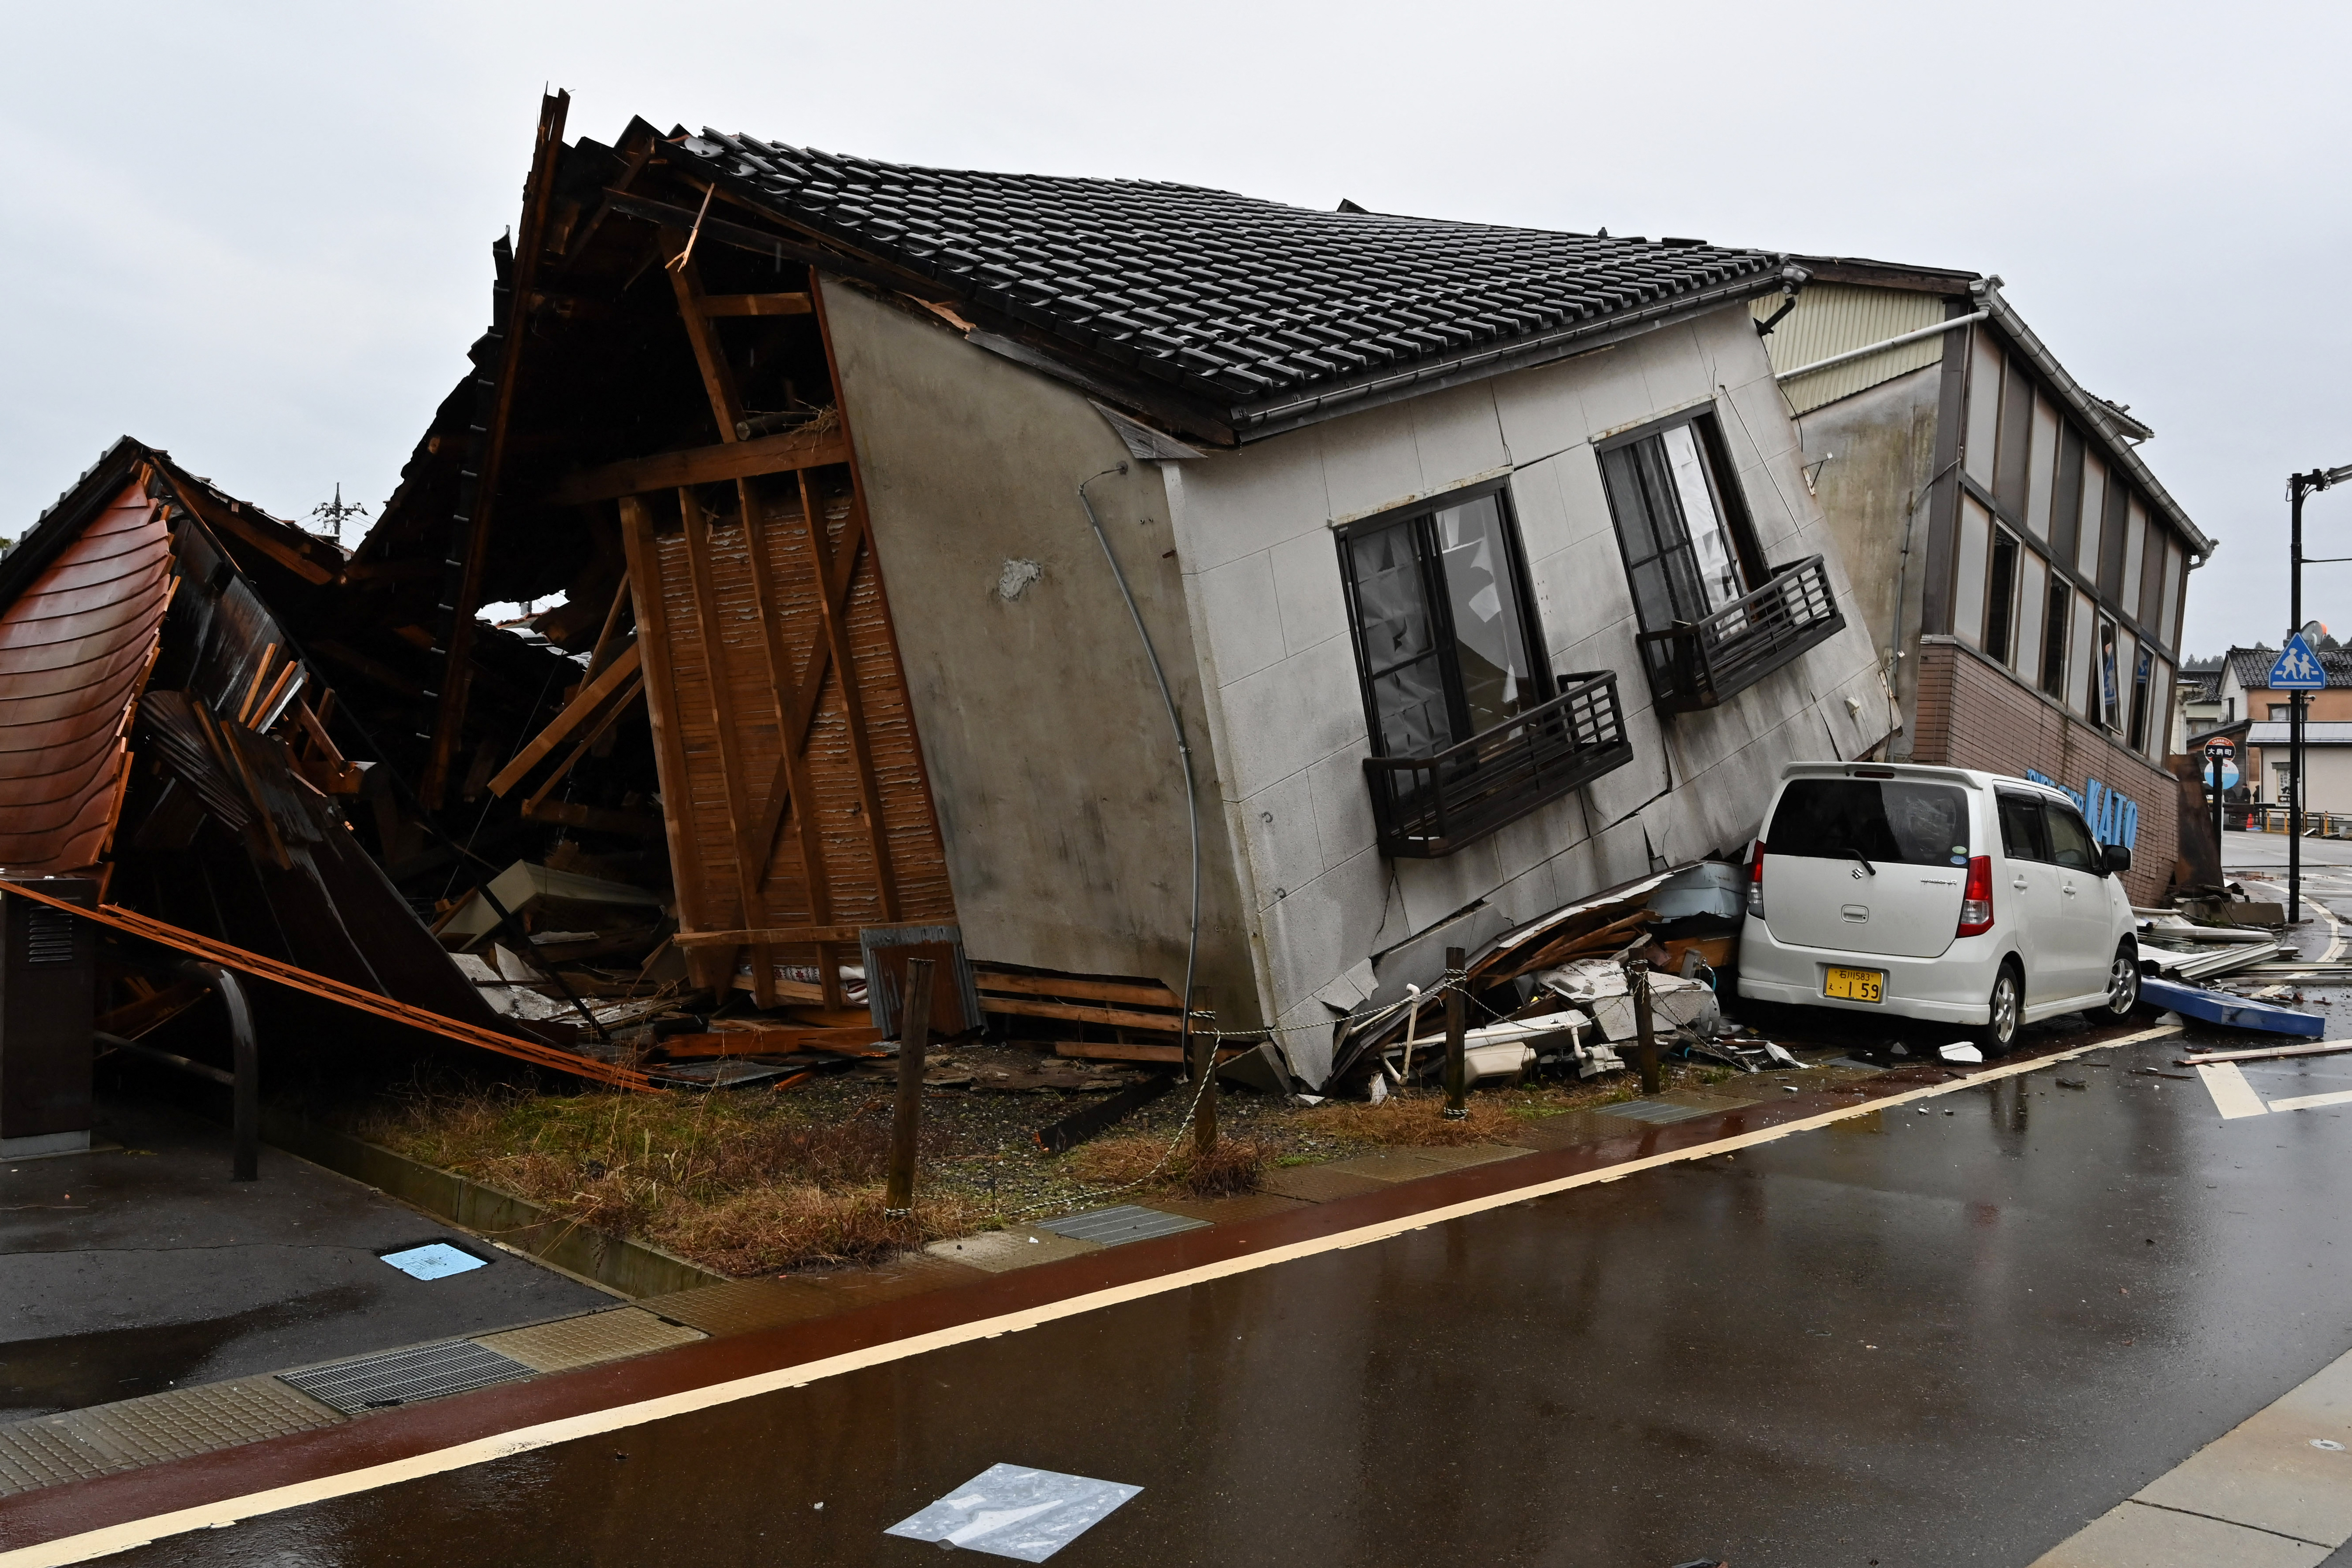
(1936, 893)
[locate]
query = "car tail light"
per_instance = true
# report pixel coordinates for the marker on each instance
(1976, 898)
(1756, 882)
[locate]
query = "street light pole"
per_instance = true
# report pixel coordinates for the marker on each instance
(2296, 486)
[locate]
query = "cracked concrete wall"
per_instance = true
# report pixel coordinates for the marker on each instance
(1051, 763)
(1254, 530)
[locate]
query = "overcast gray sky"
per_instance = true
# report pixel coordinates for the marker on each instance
(258, 234)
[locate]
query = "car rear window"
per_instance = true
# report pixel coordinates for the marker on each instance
(1884, 819)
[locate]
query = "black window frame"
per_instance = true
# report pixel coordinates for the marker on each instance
(1722, 482)
(1423, 514)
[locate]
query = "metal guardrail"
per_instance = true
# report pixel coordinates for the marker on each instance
(1699, 664)
(2273, 819)
(1433, 806)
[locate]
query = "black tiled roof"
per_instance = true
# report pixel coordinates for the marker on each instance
(2252, 666)
(1248, 305)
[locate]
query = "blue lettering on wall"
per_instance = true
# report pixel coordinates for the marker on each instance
(2113, 817)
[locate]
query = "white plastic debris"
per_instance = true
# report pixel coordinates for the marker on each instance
(1380, 1090)
(1962, 1051)
(434, 1260)
(1007, 1510)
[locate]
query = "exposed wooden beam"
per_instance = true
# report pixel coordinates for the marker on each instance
(731, 460)
(620, 705)
(726, 737)
(1149, 993)
(762, 243)
(576, 713)
(539, 194)
(714, 970)
(793, 935)
(835, 622)
(804, 704)
(791, 782)
(710, 354)
(756, 305)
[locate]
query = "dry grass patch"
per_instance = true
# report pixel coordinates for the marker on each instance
(1133, 1159)
(1417, 1121)
(734, 1182)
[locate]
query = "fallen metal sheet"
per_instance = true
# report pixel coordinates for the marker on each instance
(2207, 963)
(719, 1072)
(1007, 1510)
(1124, 1223)
(2235, 1012)
(406, 1377)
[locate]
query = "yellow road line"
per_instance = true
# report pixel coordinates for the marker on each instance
(90, 1545)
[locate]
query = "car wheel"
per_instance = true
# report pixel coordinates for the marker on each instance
(2003, 1008)
(2123, 983)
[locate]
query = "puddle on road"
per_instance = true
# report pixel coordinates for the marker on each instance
(70, 1372)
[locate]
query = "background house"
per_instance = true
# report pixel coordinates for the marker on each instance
(2022, 571)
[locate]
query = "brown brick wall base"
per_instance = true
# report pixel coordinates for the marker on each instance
(1970, 714)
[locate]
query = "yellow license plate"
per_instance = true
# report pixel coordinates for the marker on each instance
(1855, 985)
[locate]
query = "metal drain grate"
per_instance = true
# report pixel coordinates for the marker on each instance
(1128, 1222)
(404, 1378)
(1658, 1111)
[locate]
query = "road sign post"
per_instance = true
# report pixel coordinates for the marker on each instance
(2218, 753)
(2297, 670)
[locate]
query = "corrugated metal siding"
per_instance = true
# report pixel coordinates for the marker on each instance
(1833, 317)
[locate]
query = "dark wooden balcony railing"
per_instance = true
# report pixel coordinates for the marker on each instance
(1433, 806)
(1698, 664)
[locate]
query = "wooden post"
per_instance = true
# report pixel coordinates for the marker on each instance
(906, 1128)
(1458, 1013)
(1204, 1064)
(1646, 1050)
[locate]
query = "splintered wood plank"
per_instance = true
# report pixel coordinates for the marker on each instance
(615, 676)
(1109, 1018)
(1146, 993)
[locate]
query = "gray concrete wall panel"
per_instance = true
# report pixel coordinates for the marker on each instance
(1058, 786)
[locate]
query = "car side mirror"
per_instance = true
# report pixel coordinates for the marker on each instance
(2118, 860)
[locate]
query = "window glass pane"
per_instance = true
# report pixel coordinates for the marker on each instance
(2170, 631)
(2022, 836)
(1649, 530)
(2094, 506)
(2042, 469)
(1968, 573)
(2053, 638)
(1489, 632)
(2132, 661)
(2112, 670)
(1716, 560)
(1984, 407)
(2112, 540)
(2032, 582)
(1904, 823)
(2066, 503)
(2001, 589)
(2135, 559)
(2160, 708)
(2070, 839)
(1399, 635)
(2078, 656)
(2016, 438)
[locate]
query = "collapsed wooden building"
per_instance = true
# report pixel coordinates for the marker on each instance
(1115, 587)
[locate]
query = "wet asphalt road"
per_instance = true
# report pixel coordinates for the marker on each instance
(1910, 1339)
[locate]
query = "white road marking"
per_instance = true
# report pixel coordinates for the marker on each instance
(2314, 1101)
(228, 1511)
(2232, 1096)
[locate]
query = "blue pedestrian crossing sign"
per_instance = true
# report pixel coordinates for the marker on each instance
(2297, 668)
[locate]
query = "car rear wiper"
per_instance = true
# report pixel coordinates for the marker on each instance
(1864, 860)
